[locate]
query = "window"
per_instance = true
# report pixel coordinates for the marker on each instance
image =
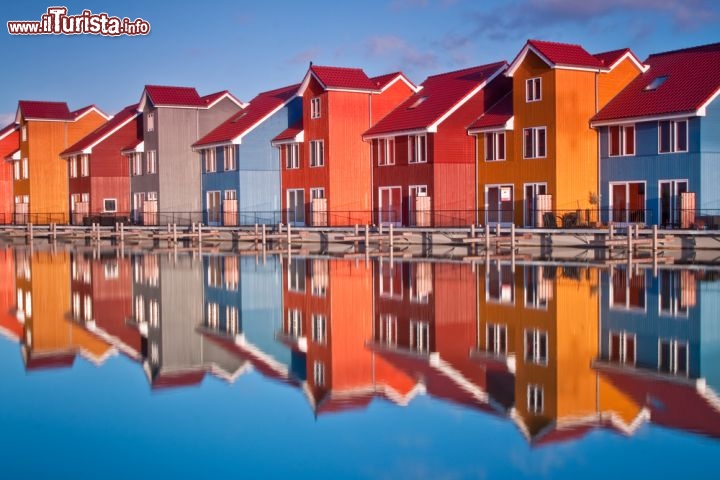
(677, 292)
(533, 88)
(391, 281)
(621, 140)
(292, 156)
(139, 309)
(535, 399)
(673, 357)
(151, 163)
(111, 270)
(417, 149)
(628, 289)
(673, 136)
(294, 323)
(233, 320)
(232, 273)
(136, 163)
(214, 273)
(296, 276)
(24, 133)
(150, 122)
(315, 107)
(622, 348)
(319, 373)
(210, 164)
(317, 153)
(109, 205)
(213, 315)
(500, 283)
(538, 289)
(319, 278)
(496, 339)
(534, 142)
(420, 336)
(16, 170)
(318, 192)
(384, 151)
(536, 346)
(75, 304)
(494, 146)
(84, 165)
(25, 168)
(72, 164)
(229, 158)
(319, 328)
(28, 304)
(655, 83)
(154, 313)
(387, 333)
(420, 282)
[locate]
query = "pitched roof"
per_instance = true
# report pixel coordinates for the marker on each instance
(691, 81)
(242, 122)
(213, 98)
(82, 111)
(38, 110)
(339, 78)
(7, 130)
(161, 95)
(103, 131)
(496, 116)
(290, 134)
(439, 97)
(383, 81)
(555, 54)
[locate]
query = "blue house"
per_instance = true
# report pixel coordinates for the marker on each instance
(660, 143)
(659, 344)
(240, 168)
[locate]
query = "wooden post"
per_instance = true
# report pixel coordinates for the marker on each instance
(122, 233)
(289, 233)
(391, 237)
(637, 231)
(654, 239)
(472, 230)
(487, 238)
(367, 237)
(512, 236)
(612, 231)
(30, 232)
(629, 243)
(264, 239)
(175, 233)
(257, 235)
(199, 233)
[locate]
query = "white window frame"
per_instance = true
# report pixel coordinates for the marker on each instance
(319, 328)
(210, 160)
(315, 107)
(136, 162)
(16, 170)
(533, 89)
(213, 315)
(384, 151)
(24, 133)
(674, 308)
(494, 139)
(109, 210)
(674, 344)
(84, 165)
(532, 351)
(150, 122)
(673, 125)
(25, 168)
(623, 341)
(387, 331)
(420, 336)
(535, 399)
(417, 149)
(154, 313)
(229, 158)
(535, 132)
(623, 150)
(498, 347)
(318, 373)
(294, 323)
(292, 156)
(72, 166)
(317, 192)
(151, 162)
(317, 153)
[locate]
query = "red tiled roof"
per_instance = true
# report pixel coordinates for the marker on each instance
(82, 111)
(439, 94)
(345, 78)
(174, 96)
(497, 115)
(8, 130)
(609, 58)
(289, 133)
(44, 110)
(692, 78)
(103, 131)
(241, 122)
(381, 81)
(565, 54)
(180, 379)
(54, 360)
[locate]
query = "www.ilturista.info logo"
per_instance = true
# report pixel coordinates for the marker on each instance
(57, 22)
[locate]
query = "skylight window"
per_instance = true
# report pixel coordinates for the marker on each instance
(418, 102)
(655, 84)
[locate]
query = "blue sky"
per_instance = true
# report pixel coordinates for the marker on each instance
(250, 46)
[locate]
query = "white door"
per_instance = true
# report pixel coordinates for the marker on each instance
(296, 206)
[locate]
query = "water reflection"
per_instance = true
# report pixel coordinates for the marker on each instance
(558, 350)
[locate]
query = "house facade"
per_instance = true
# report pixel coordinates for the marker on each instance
(421, 149)
(40, 185)
(333, 170)
(165, 183)
(98, 173)
(9, 144)
(537, 153)
(240, 167)
(658, 143)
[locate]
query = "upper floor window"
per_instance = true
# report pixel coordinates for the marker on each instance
(383, 150)
(84, 165)
(673, 136)
(319, 328)
(229, 158)
(24, 133)
(536, 346)
(534, 142)
(292, 156)
(151, 162)
(315, 107)
(494, 146)
(317, 153)
(673, 356)
(496, 338)
(136, 163)
(25, 168)
(73, 167)
(621, 140)
(150, 122)
(16, 170)
(210, 162)
(535, 399)
(533, 89)
(417, 149)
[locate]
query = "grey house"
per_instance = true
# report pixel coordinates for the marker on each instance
(165, 172)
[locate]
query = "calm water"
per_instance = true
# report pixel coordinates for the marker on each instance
(159, 365)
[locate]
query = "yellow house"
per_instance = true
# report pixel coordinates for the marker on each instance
(536, 152)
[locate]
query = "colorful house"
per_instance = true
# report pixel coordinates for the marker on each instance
(659, 145)
(536, 151)
(165, 172)
(99, 181)
(40, 181)
(9, 144)
(421, 149)
(326, 169)
(10, 326)
(241, 169)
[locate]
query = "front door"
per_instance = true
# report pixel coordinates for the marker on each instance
(296, 207)
(214, 207)
(532, 190)
(628, 202)
(499, 204)
(414, 191)
(138, 206)
(670, 191)
(390, 205)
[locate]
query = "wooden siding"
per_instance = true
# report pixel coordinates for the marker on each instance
(8, 145)
(610, 83)
(10, 327)
(710, 159)
(386, 102)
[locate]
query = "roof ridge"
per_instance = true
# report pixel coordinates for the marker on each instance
(476, 67)
(608, 52)
(696, 48)
(556, 43)
(279, 89)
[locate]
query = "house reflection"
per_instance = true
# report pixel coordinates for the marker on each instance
(660, 344)
(10, 325)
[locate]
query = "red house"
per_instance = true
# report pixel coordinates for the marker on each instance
(421, 149)
(99, 182)
(327, 164)
(9, 144)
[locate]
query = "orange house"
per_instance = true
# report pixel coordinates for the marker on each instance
(536, 152)
(326, 173)
(40, 178)
(50, 339)
(9, 144)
